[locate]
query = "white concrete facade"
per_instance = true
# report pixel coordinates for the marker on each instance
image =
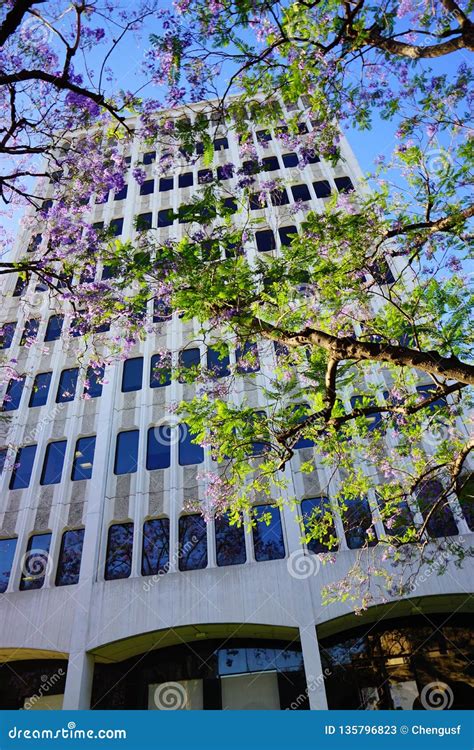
(78, 621)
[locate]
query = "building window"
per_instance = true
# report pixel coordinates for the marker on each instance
(192, 542)
(20, 286)
(270, 164)
(322, 188)
(88, 275)
(3, 458)
(7, 332)
(221, 144)
(149, 157)
(7, 553)
(218, 362)
(144, 221)
(230, 204)
(185, 180)
(166, 184)
(54, 327)
(290, 160)
(356, 520)
(83, 458)
(30, 331)
(21, 473)
(102, 198)
(160, 371)
(121, 194)
(156, 546)
(67, 385)
(126, 452)
(301, 192)
(250, 167)
(247, 358)
(440, 522)
(53, 462)
(35, 243)
(265, 240)
(204, 176)
(400, 518)
(257, 201)
(158, 447)
(147, 187)
(161, 310)
(70, 556)
(318, 522)
(373, 421)
(40, 391)
(287, 235)
(263, 136)
(165, 218)
(116, 227)
(189, 359)
(12, 399)
(35, 562)
(118, 563)
(230, 542)
(279, 197)
(225, 172)
(94, 382)
(268, 534)
(188, 452)
(344, 184)
(302, 442)
(132, 376)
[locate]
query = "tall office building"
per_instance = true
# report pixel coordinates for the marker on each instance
(113, 595)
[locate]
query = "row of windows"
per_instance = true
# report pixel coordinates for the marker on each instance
(53, 462)
(66, 390)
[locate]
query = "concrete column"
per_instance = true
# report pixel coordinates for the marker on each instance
(313, 669)
(80, 673)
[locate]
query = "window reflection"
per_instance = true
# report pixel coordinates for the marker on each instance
(268, 534)
(118, 563)
(155, 552)
(35, 563)
(192, 542)
(230, 542)
(70, 555)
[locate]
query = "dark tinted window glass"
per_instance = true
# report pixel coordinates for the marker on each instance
(287, 234)
(322, 189)
(67, 385)
(161, 310)
(301, 192)
(279, 197)
(188, 452)
(149, 157)
(93, 382)
(21, 473)
(427, 391)
(250, 167)
(158, 447)
(118, 563)
(356, 520)
(257, 202)
(318, 521)
(3, 458)
(102, 198)
(220, 144)
(147, 187)
(204, 175)
(53, 462)
(160, 371)
(20, 286)
(263, 136)
(225, 172)
(374, 421)
(399, 520)
(120, 195)
(268, 538)
(247, 358)
(265, 240)
(155, 551)
(132, 376)
(83, 458)
(199, 148)
(344, 184)
(165, 217)
(35, 562)
(189, 359)
(230, 204)
(303, 442)
(192, 542)
(70, 555)
(230, 542)
(270, 164)
(466, 499)
(166, 183)
(54, 328)
(144, 221)
(88, 274)
(7, 332)
(7, 553)
(29, 332)
(116, 226)
(441, 521)
(218, 362)
(126, 452)
(185, 180)
(35, 243)
(39, 394)
(290, 160)
(13, 393)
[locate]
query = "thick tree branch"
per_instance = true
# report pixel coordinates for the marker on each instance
(14, 18)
